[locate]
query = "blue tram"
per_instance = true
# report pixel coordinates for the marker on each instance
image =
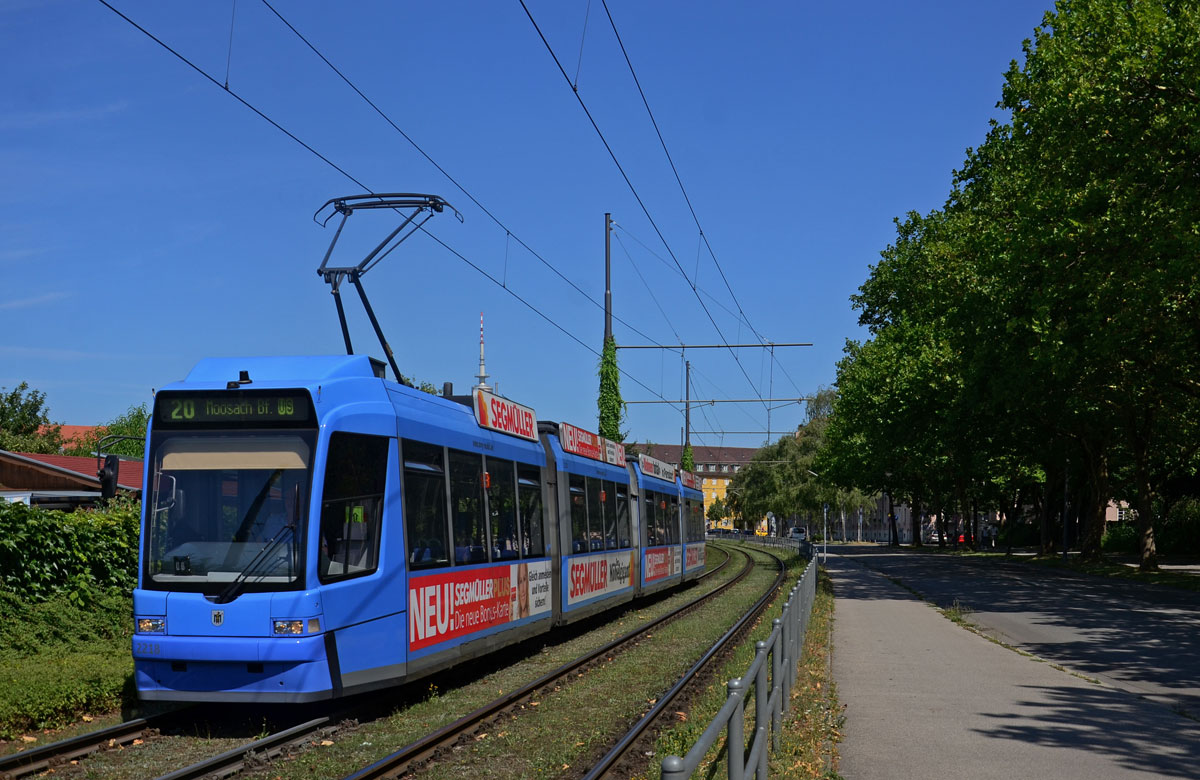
(311, 530)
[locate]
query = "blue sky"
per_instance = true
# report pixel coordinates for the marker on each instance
(150, 219)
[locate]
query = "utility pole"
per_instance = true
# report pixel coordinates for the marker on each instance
(687, 403)
(771, 390)
(608, 334)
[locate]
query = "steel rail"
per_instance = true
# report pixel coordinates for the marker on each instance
(270, 746)
(622, 747)
(398, 763)
(35, 760)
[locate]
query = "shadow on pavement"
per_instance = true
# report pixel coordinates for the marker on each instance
(1096, 720)
(1105, 628)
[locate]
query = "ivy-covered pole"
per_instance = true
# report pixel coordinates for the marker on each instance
(612, 408)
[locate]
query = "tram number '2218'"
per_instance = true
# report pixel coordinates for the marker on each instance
(146, 648)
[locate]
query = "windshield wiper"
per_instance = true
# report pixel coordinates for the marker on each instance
(234, 589)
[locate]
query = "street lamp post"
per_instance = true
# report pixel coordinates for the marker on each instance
(825, 526)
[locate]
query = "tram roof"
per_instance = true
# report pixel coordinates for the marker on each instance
(294, 369)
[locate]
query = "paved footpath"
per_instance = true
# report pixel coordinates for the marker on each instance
(926, 698)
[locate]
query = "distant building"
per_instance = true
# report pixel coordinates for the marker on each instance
(59, 481)
(715, 466)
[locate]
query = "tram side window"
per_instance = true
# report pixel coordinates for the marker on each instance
(352, 505)
(624, 534)
(577, 488)
(673, 520)
(661, 519)
(650, 517)
(502, 506)
(425, 504)
(608, 494)
(595, 515)
(466, 504)
(529, 493)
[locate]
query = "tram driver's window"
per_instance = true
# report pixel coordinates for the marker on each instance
(352, 505)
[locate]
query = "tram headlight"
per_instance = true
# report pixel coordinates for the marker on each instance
(154, 625)
(296, 627)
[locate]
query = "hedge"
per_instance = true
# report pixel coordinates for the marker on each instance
(66, 613)
(46, 553)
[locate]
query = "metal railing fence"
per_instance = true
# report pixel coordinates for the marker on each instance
(773, 672)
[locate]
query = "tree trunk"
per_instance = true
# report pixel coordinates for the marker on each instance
(974, 524)
(1095, 498)
(1145, 515)
(893, 532)
(1047, 535)
(914, 517)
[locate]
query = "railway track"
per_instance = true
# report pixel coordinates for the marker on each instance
(399, 763)
(616, 760)
(254, 753)
(35, 760)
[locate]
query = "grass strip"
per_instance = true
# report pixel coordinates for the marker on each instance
(557, 732)
(812, 726)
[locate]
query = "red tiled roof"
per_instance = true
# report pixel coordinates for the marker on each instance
(129, 475)
(71, 433)
(671, 453)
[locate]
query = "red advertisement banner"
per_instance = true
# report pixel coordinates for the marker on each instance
(501, 414)
(580, 442)
(451, 604)
(695, 556)
(596, 575)
(658, 563)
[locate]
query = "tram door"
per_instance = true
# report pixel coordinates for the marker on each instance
(362, 613)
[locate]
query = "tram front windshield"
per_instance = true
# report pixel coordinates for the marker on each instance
(227, 512)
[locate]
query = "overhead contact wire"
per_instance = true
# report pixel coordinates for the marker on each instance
(444, 172)
(675, 170)
(367, 189)
(639, 200)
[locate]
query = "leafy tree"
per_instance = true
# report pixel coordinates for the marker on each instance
(612, 408)
(132, 422)
(717, 511)
(780, 477)
(25, 422)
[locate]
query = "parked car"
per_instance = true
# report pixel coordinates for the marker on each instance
(798, 533)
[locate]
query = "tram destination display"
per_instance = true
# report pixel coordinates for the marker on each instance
(274, 407)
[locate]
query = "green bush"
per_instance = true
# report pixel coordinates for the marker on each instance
(1017, 534)
(63, 657)
(45, 553)
(1120, 538)
(66, 612)
(1179, 533)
